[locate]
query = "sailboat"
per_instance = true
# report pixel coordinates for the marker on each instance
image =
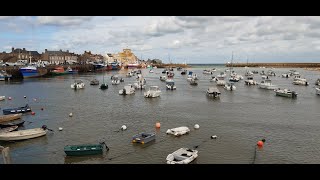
(103, 86)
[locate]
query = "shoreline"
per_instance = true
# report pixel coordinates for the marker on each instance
(276, 65)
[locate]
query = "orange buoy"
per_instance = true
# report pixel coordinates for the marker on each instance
(157, 125)
(33, 113)
(260, 143)
(9, 98)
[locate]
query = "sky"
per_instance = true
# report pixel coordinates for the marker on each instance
(179, 39)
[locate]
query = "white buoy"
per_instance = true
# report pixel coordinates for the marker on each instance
(70, 115)
(60, 128)
(25, 96)
(196, 126)
(123, 127)
(214, 137)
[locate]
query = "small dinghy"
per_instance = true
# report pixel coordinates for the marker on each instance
(85, 149)
(2, 98)
(182, 156)
(178, 131)
(8, 129)
(12, 123)
(143, 138)
(24, 134)
(18, 110)
(94, 82)
(10, 117)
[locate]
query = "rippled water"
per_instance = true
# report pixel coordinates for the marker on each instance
(239, 119)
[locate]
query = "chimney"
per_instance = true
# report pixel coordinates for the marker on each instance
(60, 50)
(67, 51)
(12, 49)
(24, 49)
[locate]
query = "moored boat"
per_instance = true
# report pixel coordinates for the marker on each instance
(2, 98)
(318, 91)
(94, 82)
(12, 123)
(18, 110)
(182, 156)
(23, 134)
(153, 92)
(10, 117)
(84, 149)
(31, 72)
(178, 131)
(285, 93)
(143, 138)
(8, 129)
(213, 92)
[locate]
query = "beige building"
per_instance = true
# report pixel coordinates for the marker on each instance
(125, 57)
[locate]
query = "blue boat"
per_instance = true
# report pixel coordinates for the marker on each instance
(31, 72)
(18, 110)
(115, 66)
(143, 138)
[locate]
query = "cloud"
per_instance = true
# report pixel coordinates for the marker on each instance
(162, 26)
(63, 20)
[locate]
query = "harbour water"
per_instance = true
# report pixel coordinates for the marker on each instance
(239, 118)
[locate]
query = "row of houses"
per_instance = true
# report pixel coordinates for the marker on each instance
(62, 57)
(52, 57)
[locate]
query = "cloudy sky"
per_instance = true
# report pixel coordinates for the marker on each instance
(194, 39)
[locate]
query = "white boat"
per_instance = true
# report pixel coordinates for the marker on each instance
(222, 75)
(266, 84)
(207, 71)
(213, 92)
(193, 82)
(151, 71)
(300, 82)
(130, 74)
(23, 134)
(170, 84)
(140, 84)
(318, 82)
(230, 87)
(163, 78)
(182, 156)
(115, 82)
(2, 98)
(127, 90)
(286, 75)
(285, 93)
(299, 78)
(318, 91)
(153, 91)
(250, 81)
(248, 73)
(78, 84)
(178, 131)
(221, 82)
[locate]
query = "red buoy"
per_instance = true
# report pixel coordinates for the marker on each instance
(33, 113)
(260, 143)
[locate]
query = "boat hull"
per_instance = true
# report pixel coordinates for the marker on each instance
(30, 73)
(22, 135)
(83, 150)
(10, 117)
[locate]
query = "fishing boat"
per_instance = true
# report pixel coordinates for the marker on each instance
(230, 87)
(12, 123)
(85, 149)
(31, 72)
(78, 84)
(285, 93)
(182, 156)
(184, 72)
(18, 110)
(2, 98)
(10, 117)
(300, 82)
(71, 71)
(153, 92)
(250, 81)
(127, 90)
(8, 129)
(94, 82)
(193, 82)
(170, 84)
(213, 92)
(58, 71)
(178, 131)
(143, 138)
(266, 84)
(24, 134)
(103, 86)
(163, 78)
(317, 82)
(318, 91)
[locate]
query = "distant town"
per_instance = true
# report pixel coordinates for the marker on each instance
(20, 57)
